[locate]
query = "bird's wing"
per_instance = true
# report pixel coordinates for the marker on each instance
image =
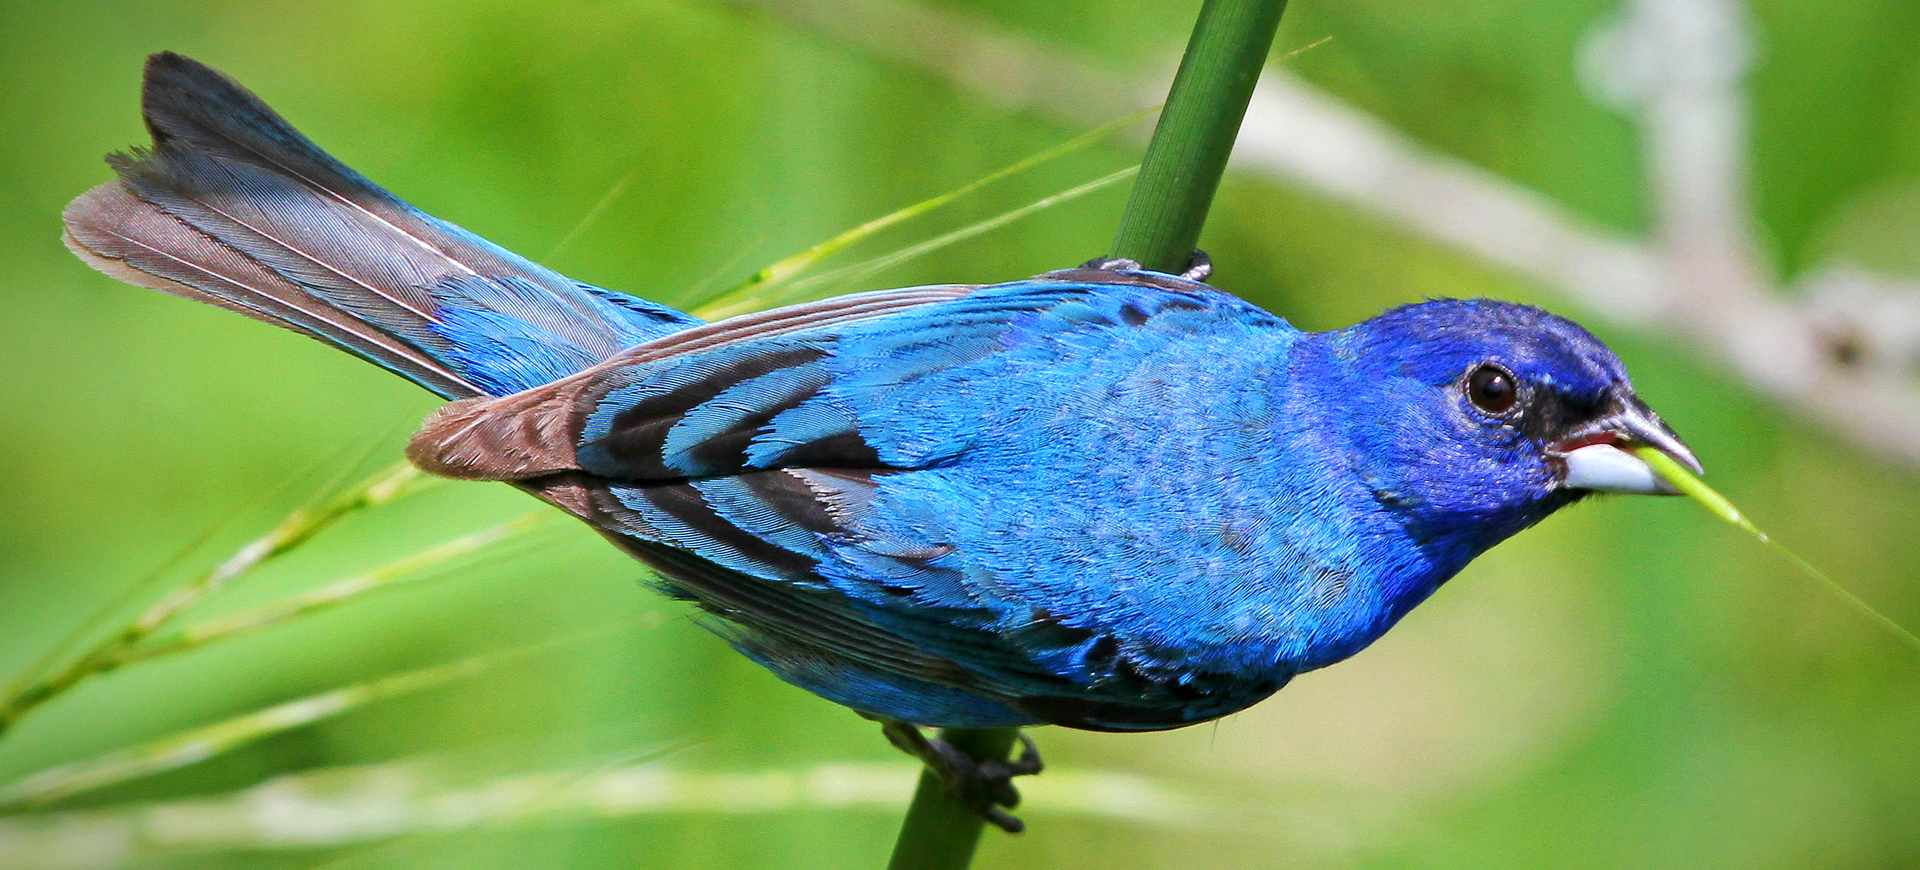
(775, 452)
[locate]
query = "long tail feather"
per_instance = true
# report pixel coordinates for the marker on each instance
(234, 207)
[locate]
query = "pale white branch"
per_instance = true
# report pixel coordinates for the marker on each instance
(1677, 65)
(349, 806)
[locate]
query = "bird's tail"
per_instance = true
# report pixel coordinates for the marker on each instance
(234, 207)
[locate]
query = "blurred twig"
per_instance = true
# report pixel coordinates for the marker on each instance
(331, 808)
(1678, 66)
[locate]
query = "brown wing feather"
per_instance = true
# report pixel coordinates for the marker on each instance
(531, 433)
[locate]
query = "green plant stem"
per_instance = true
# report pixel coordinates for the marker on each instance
(940, 833)
(1196, 131)
(1159, 229)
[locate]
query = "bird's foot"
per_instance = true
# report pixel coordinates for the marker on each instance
(984, 786)
(1111, 264)
(1199, 269)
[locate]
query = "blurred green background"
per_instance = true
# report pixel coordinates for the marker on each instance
(1631, 684)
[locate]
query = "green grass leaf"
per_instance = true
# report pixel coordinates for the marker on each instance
(754, 293)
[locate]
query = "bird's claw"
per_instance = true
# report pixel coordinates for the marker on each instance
(1199, 269)
(986, 787)
(1111, 264)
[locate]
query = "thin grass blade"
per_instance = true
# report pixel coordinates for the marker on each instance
(1697, 489)
(411, 568)
(819, 285)
(299, 527)
(199, 744)
(593, 214)
(743, 297)
(93, 623)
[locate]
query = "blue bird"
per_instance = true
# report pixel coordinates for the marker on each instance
(1105, 498)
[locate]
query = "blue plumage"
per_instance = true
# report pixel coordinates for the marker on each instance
(1105, 497)
(1114, 500)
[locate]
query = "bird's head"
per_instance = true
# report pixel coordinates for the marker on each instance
(1477, 418)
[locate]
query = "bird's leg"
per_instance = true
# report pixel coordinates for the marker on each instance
(984, 786)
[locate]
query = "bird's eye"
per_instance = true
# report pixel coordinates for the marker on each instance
(1491, 389)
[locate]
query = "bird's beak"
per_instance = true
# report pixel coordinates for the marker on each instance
(1596, 457)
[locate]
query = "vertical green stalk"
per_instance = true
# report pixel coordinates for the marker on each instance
(940, 833)
(1196, 131)
(1159, 229)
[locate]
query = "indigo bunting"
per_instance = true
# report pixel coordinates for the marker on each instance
(1106, 497)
